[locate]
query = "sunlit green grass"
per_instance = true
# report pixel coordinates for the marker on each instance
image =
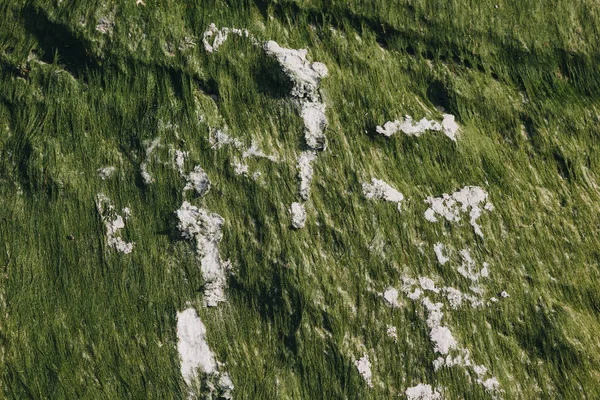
(80, 320)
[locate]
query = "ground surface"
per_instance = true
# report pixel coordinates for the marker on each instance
(331, 309)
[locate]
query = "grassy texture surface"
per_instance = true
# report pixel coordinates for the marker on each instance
(79, 320)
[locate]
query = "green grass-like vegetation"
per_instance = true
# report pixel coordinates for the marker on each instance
(80, 320)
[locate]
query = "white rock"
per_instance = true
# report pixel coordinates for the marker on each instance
(364, 369)
(428, 284)
(106, 172)
(298, 215)
(438, 248)
(194, 353)
(113, 223)
(305, 75)
(380, 190)
(305, 172)
(442, 338)
(198, 181)
(392, 332)
(205, 228)
(422, 392)
(450, 206)
(315, 122)
(449, 126)
(391, 297)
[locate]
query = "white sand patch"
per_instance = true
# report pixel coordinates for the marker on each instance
(392, 332)
(364, 369)
(219, 36)
(195, 354)
(113, 224)
(391, 297)
(450, 206)
(442, 338)
(197, 180)
(422, 392)
(438, 248)
(106, 172)
(305, 172)
(380, 190)
(298, 215)
(205, 228)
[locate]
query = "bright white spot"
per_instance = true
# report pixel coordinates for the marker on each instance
(221, 139)
(392, 332)
(305, 172)
(180, 157)
(428, 284)
(449, 126)
(113, 224)
(198, 181)
(440, 335)
(306, 75)
(195, 354)
(220, 36)
(315, 122)
(191, 344)
(380, 190)
(447, 206)
(411, 128)
(504, 295)
(454, 297)
(491, 385)
(468, 268)
(144, 167)
(415, 295)
(298, 215)
(205, 227)
(254, 151)
(364, 369)
(422, 392)
(438, 248)
(391, 297)
(239, 167)
(106, 172)
(408, 127)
